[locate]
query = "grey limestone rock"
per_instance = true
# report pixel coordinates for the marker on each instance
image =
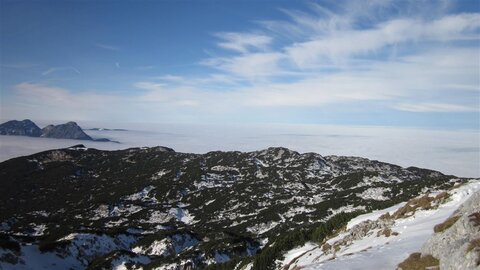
(450, 246)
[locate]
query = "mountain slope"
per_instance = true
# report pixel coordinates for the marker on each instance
(163, 208)
(68, 130)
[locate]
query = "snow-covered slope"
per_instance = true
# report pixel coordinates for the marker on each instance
(381, 241)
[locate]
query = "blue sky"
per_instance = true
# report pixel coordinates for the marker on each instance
(392, 63)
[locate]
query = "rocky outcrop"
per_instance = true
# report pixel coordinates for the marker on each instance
(358, 232)
(69, 130)
(457, 246)
(20, 128)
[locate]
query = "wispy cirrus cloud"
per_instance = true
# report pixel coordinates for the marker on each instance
(436, 107)
(249, 66)
(60, 69)
(420, 50)
(417, 57)
(243, 42)
(344, 44)
(107, 46)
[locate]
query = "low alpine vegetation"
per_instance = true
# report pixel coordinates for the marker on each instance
(417, 261)
(193, 210)
(446, 224)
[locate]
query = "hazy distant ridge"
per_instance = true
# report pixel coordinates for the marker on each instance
(69, 130)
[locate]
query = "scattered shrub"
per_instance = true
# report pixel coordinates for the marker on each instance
(475, 243)
(326, 247)
(418, 262)
(446, 224)
(424, 202)
(475, 218)
(385, 216)
(404, 211)
(442, 197)
(387, 232)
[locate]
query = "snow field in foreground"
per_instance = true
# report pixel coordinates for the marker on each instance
(381, 252)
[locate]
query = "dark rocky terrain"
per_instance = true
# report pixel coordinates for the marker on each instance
(159, 209)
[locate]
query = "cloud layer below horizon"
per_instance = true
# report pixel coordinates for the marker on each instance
(450, 152)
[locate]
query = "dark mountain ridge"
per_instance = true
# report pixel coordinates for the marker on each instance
(69, 130)
(189, 211)
(20, 128)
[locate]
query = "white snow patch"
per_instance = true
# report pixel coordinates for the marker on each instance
(171, 244)
(182, 215)
(248, 267)
(220, 168)
(157, 247)
(122, 210)
(144, 195)
(159, 174)
(157, 217)
(345, 209)
(209, 202)
(37, 230)
(261, 163)
(178, 213)
(42, 213)
(374, 194)
(105, 211)
(262, 227)
(102, 211)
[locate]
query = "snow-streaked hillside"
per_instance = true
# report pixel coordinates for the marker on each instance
(372, 241)
(187, 210)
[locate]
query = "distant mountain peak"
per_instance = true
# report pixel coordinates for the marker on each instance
(21, 128)
(69, 130)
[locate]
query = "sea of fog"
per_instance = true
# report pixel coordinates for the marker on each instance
(451, 152)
